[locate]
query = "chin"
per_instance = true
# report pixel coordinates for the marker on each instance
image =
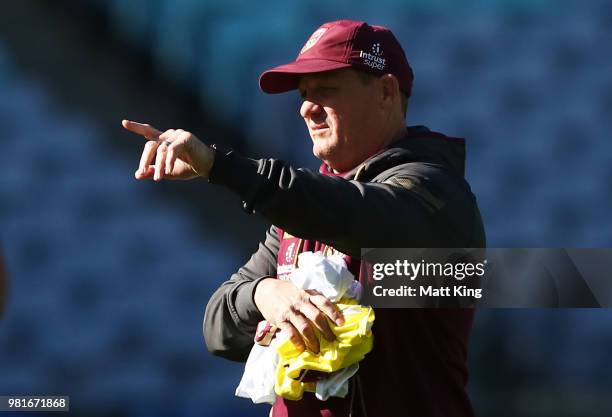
(320, 149)
(318, 154)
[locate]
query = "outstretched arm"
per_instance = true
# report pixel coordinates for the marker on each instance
(347, 215)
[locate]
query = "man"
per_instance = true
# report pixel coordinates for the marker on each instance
(380, 185)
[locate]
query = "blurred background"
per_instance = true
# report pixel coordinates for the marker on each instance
(109, 277)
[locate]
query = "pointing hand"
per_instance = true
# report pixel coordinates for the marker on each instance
(178, 154)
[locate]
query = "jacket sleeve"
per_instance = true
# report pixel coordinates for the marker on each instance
(231, 316)
(348, 215)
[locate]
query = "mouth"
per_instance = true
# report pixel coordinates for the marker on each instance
(318, 127)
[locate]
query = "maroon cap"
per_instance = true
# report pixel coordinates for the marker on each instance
(343, 44)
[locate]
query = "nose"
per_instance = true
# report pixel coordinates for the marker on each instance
(310, 109)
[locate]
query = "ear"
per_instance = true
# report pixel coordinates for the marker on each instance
(390, 92)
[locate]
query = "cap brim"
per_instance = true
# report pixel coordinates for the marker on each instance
(285, 77)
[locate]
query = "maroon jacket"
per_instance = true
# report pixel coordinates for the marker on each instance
(412, 194)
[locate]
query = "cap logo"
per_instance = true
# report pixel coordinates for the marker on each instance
(374, 60)
(314, 38)
(376, 49)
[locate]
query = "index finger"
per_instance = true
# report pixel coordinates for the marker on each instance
(142, 129)
(326, 306)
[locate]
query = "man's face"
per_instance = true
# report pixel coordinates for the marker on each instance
(343, 117)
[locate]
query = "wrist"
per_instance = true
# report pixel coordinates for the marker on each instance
(262, 289)
(206, 161)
